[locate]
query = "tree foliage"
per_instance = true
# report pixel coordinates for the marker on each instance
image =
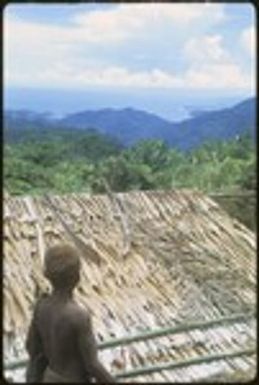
(67, 161)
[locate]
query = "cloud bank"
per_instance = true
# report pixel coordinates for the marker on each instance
(130, 45)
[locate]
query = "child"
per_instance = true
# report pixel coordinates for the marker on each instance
(60, 342)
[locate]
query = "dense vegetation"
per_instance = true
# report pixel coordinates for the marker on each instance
(64, 161)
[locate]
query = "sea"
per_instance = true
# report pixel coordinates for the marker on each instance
(174, 106)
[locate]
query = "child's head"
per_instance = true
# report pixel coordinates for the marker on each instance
(62, 266)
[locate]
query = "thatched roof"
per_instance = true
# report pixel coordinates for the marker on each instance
(150, 259)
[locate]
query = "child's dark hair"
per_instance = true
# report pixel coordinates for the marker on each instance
(62, 266)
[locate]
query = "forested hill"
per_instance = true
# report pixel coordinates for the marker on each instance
(223, 124)
(130, 125)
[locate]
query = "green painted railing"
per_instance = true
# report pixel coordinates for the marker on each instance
(161, 333)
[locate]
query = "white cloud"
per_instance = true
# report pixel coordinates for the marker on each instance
(248, 40)
(65, 76)
(128, 20)
(218, 76)
(115, 25)
(205, 49)
(32, 41)
(212, 66)
(70, 56)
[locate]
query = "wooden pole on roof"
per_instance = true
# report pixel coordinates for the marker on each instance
(181, 364)
(158, 333)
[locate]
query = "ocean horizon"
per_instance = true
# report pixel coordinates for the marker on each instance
(171, 106)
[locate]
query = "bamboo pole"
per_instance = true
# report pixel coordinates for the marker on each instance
(184, 363)
(154, 334)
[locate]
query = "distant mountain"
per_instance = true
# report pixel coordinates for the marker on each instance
(27, 116)
(19, 124)
(196, 113)
(129, 125)
(222, 125)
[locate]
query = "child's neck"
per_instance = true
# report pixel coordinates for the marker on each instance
(63, 293)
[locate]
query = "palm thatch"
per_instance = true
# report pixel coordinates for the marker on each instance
(149, 260)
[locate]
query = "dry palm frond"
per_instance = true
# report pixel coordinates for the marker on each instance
(186, 260)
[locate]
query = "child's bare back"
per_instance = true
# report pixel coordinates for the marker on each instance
(61, 335)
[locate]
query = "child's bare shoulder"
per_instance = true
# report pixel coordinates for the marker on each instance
(41, 302)
(80, 315)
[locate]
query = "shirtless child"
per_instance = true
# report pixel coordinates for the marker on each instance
(60, 341)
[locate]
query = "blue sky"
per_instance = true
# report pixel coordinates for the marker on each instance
(185, 47)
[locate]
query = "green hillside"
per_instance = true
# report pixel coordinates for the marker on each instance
(68, 161)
